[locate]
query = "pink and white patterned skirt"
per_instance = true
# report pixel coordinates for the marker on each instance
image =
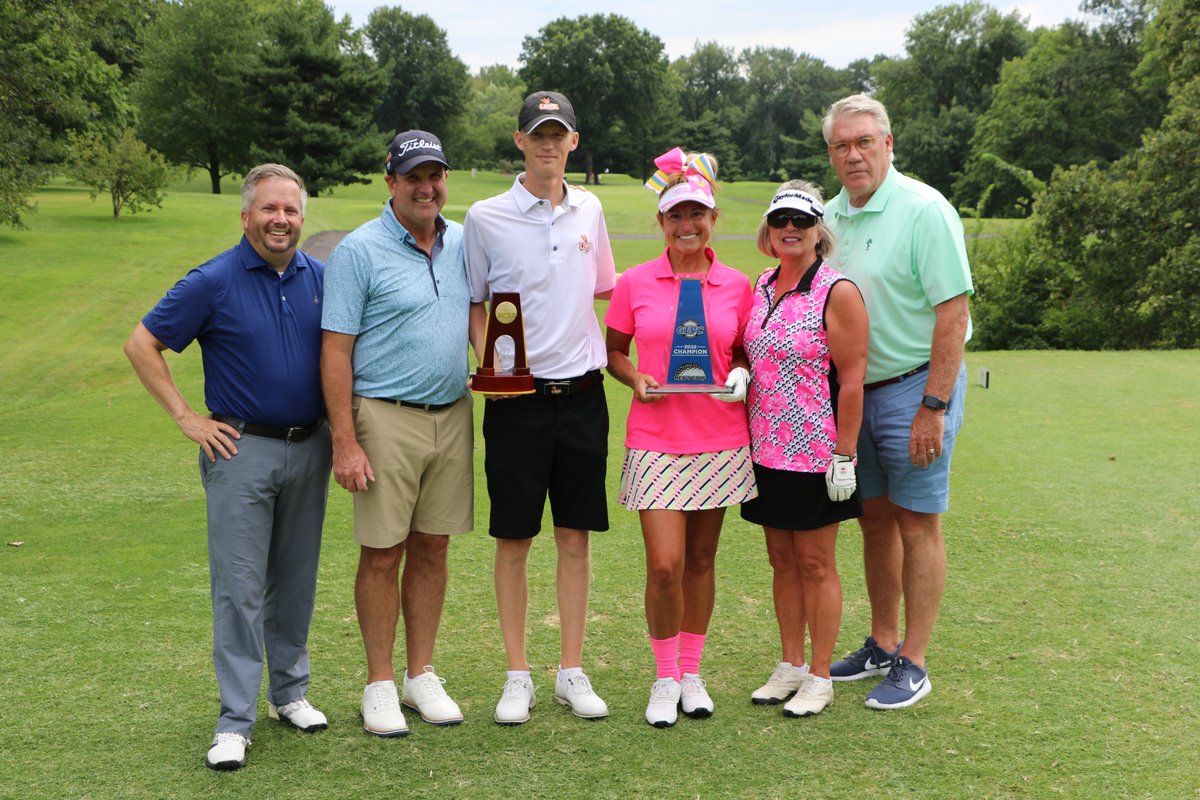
(691, 482)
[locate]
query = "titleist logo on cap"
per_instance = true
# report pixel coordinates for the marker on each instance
(412, 144)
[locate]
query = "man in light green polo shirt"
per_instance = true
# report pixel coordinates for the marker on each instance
(902, 244)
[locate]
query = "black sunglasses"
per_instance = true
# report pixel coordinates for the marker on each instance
(799, 221)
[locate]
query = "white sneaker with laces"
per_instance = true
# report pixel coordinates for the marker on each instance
(425, 695)
(576, 691)
(662, 710)
(227, 751)
(515, 701)
(811, 698)
(381, 712)
(694, 700)
(299, 714)
(782, 684)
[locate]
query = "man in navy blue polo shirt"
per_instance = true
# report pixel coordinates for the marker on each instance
(265, 449)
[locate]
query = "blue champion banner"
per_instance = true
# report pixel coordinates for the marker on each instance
(690, 361)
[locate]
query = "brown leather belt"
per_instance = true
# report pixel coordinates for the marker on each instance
(897, 379)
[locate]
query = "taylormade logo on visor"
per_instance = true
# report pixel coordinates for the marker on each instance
(793, 196)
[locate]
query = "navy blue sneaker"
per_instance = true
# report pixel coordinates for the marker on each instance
(868, 661)
(905, 684)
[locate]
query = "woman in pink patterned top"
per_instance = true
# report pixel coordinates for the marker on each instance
(687, 455)
(807, 345)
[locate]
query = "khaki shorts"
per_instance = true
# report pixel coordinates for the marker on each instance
(423, 471)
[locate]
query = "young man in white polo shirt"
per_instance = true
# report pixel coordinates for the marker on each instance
(549, 243)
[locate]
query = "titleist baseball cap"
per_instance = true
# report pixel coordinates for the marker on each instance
(411, 149)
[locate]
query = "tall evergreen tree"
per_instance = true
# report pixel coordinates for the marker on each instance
(317, 91)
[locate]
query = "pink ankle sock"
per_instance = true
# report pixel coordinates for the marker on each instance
(691, 646)
(664, 656)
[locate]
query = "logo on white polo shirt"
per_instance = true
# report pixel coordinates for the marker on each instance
(584, 245)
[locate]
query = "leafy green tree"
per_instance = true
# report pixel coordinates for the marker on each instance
(196, 100)
(1015, 285)
(711, 80)
(783, 90)
(935, 93)
(1071, 99)
(934, 147)
(953, 56)
(860, 75)
(426, 83)
(615, 76)
(806, 155)
(1006, 183)
(485, 136)
(1168, 172)
(51, 85)
(316, 90)
(117, 30)
(1081, 226)
(1116, 245)
(128, 171)
(712, 91)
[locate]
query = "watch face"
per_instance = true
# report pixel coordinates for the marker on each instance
(935, 403)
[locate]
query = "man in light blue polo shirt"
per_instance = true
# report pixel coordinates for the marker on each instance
(394, 371)
(902, 245)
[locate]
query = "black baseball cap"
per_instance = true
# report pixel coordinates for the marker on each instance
(411, 149)
(541, 107)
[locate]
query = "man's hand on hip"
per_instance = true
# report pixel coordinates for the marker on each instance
(214, 437)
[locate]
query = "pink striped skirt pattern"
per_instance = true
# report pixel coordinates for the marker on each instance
(690, 482)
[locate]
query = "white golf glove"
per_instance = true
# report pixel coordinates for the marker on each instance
(738, 380)
(839, 478)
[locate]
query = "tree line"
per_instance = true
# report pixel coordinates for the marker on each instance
(1083, 126)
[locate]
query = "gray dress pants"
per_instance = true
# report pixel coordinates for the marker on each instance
(266, 506)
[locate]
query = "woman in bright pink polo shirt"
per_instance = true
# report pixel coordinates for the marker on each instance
(687, 455)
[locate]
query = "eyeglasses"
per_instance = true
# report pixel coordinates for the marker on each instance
(799, 221)
(862, 144)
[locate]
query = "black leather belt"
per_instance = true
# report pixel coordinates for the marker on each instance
(254, 429)
(429, 407)
(897, 379)
(568, 386)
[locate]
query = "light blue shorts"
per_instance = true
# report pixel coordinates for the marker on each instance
(884, 467)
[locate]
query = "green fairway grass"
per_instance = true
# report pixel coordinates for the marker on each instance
(1064, 663)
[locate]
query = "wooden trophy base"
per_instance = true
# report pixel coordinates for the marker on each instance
(487, 381)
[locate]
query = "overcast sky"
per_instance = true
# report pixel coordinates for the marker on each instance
(485, 33)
